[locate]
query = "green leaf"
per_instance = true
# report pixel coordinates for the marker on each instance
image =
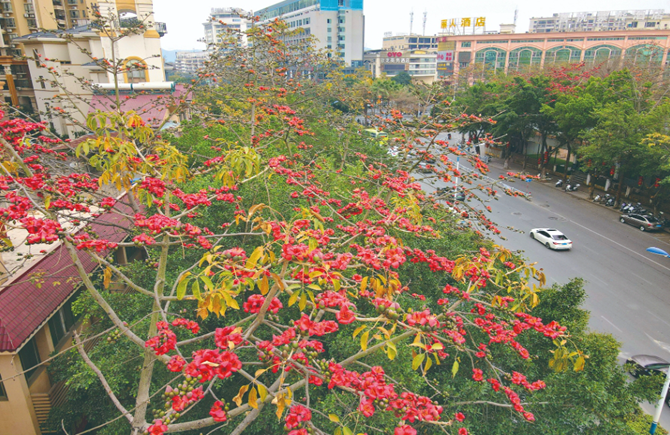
(195, 288)
(208, 282)
(364, 340)
(417, 360)
(181, 288)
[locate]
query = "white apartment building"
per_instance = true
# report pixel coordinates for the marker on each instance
(419, 64)
(601, 21)
(338, 25)
(222, 19)
(189, 62)
(141, 55)
(402, 42)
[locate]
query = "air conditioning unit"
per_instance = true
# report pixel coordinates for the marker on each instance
(8, 15)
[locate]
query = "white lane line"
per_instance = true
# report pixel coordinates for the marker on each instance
(613, 241)
(603, 282)
(642, 278)
(657, 317)
(615, 327)
(662, 345)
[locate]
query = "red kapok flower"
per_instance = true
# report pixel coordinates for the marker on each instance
(404, 430)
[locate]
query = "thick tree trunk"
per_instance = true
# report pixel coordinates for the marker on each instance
(567, 163)
(592, 189)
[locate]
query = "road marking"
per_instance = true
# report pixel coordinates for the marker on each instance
(658, 318)
(660, 344)
(604, 283)
(650, 283)
(615, 327)
(613, 241)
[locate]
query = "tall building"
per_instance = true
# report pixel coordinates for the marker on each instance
(21, 17)
(226, 18)
(601, 21)
(409, 42)
(338, 25)
(189, 62)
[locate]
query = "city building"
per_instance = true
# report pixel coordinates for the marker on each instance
(409, 42)
(21, 17)
(189, 62)
(222, 19)
(337, 25)
(141, 54)
(601, 21)
(36, 320)
(521, 51)
(419, 64)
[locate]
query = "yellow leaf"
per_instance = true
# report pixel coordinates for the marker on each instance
(364, 284)
(429, 363)
(253, 398)
(364, 340)
(392, 351)
(417, 360)
(454, 369)
(238, 399)
(303, 301)
(579, 364)
(334, 418)
(358, 330)
(255, 256)
(294, 297)
(107, 277)
(264, 285)
(262, 392)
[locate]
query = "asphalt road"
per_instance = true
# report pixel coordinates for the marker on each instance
(628, 289)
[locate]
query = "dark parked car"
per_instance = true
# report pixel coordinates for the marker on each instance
(643, 222)
(451, 194)
(645, 365)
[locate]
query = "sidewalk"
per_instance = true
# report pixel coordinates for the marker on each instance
(582, 193)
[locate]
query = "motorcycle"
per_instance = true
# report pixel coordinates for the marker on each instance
(570, 188)
(665, 222)
(609, 202)
(624, 206)
(559, 183)
(598, 199)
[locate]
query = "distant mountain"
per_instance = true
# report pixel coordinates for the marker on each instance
(170, 55)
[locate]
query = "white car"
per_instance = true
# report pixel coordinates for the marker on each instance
(551, 238)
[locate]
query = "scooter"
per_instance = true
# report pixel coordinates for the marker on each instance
(609, 202)
(598, 199)
(559, 183)
(624, 206)
(570, 188)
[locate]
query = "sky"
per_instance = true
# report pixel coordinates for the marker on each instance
(184, 25)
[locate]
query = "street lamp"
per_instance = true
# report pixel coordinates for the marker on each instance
(664, 391)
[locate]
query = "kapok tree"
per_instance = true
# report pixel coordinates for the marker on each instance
(280, 285)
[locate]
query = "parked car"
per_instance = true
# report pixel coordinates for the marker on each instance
(551, 238)
(643, 222)
(451, 193)
(645, 365)
(426, 165)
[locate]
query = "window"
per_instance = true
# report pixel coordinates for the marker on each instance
(61, 323)
(328, 21)
(28, 8)
(136, 71)
(3, 392)
(329, 30)
(650, 24)
(74, 14)
(6, 7)
(30, 358)
(466, 44)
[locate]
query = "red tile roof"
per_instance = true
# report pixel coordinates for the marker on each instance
(25, 306)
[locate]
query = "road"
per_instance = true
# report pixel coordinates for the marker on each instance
(628, 289)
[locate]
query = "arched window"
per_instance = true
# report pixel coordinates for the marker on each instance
(492, 58)
(601, 53)
(562, 54)
(644, 54)
(524, 57)
(136, 71)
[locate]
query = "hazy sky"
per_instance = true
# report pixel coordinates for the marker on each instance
(185, 24)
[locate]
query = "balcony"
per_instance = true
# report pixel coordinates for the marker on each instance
(43, 402)
(161, 28)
